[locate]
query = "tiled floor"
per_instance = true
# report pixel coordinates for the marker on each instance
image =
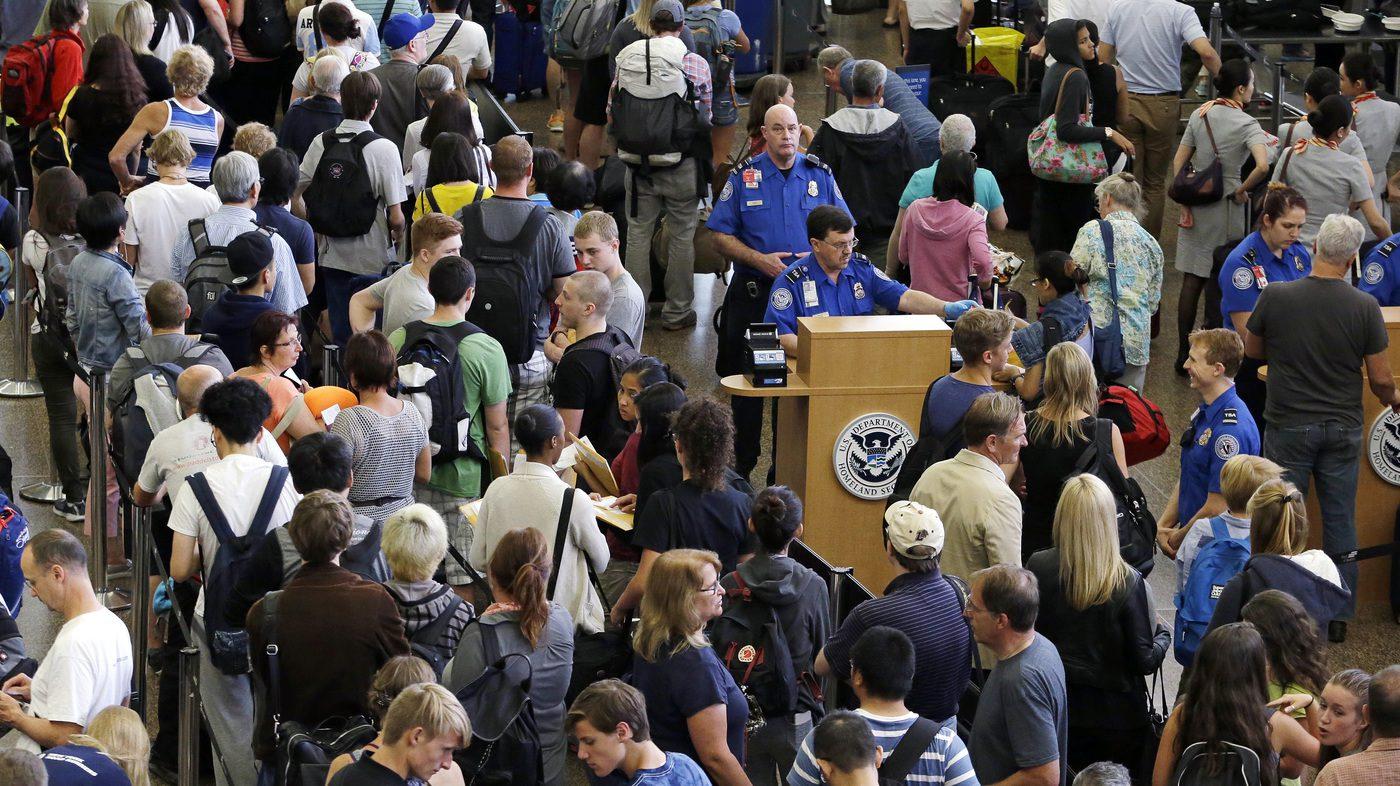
(1372, 642)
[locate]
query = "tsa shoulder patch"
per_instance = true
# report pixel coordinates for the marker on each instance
(727, 192)
(1387, 247)
(1242, 278)
(1373, 273)
(1226, 446)
(781, 299)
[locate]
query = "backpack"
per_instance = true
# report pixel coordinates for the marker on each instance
(1235, 765)
(427, 642)
(507, 297)
(304, 755)
(266, 30)
(228, 644)
(581, 30)
(340, 201)
(1219, 558)
(896, 766)
(26, 86)
(62, 250)
(1141, 422)
(208, 276)
(930, 449)
(654, 118)
(750, 641)
(505, 748)
(148, 406)
(1137, 527)
(616, 345)
(14, 534)
(711, 43)
(430, 378)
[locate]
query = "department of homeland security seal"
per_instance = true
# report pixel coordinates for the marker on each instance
(869, 453)
(1383, 446)
(1374, 273)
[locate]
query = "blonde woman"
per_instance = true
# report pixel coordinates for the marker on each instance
(415, 543)
(1281, 560)
(189, 71)
(113, 750)
(1061, 434)
(693, 703)
(136, 25)
(393, 678)
(1094, 608)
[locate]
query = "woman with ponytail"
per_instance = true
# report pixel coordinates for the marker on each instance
(1269, 255)
(1222, 130)
(1058, 283)
(1331, 180)
(522, 621)
(693, 703)
(1377, 123)
(1338, 713)
(799, 598)
(1281, 560)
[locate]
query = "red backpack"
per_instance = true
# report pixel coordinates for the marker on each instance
(1144, 428)
(27, 84)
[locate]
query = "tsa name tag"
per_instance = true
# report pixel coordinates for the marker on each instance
(752, 178)
(811, 188)
(809, 293)
(1259, 277)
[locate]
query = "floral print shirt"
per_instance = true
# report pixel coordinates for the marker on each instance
(1139, 261)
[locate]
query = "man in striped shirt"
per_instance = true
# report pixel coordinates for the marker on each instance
(882, 672)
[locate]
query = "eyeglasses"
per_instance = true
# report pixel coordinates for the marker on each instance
(295, 342)
(713, 589)
(843, 248)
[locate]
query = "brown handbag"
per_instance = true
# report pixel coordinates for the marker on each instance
(1192, 187)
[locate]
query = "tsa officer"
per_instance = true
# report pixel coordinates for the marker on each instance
(833, 281)
(1269, 256)
(1380, 274)
(1220, 429)
(760, 222)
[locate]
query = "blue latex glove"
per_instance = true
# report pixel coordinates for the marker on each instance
(161, 600)
(952, 311)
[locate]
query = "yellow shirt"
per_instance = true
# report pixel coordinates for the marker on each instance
(450, 197)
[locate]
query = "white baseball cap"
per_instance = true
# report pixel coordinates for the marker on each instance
(909, 524)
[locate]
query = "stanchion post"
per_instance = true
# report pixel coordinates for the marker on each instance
(830, 101)
(1276, 106)
(140, 605)
(19, 385)
(97, 452)
(189, 717)
(778, 36)
(330, 370)
(1217, 36)
(833, 591)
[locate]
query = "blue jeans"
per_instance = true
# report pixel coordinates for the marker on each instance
(1331, 453)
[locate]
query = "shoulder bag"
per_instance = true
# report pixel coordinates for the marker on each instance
(1194, 188)
(1109, 360)
(1051, 158)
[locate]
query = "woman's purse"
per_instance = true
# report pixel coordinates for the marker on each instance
(52, 147)
(1192, 187)
(1109, 360)
(1065, 162)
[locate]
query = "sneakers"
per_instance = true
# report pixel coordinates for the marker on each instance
(684, 322)
(556, 121)
(72, 510)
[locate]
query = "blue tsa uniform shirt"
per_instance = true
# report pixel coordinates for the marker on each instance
(805, 290)
(1219, 430)
(1251, 267)
(766, 209)
(1379, 275)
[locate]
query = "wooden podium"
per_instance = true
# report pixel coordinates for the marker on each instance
(849, 372)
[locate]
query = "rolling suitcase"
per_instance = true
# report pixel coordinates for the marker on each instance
(971, 95)
(757, 17)
(1010, 120)
(520, 57)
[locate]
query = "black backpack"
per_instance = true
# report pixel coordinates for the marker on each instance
(1232, 765)
(340, 201)
(507, 297)
(505, 748)
(430, 378)
(427, 642)
(930, 449)
(228, 644)
(208, 276)
(1137, 526)
(749, 639)
(62, 250)
(266, 31)
(141, 412)
(621, 354)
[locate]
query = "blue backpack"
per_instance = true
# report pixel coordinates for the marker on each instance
(1218, 559)
(14, 534)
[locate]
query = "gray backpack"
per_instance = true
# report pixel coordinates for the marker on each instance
(582, 29)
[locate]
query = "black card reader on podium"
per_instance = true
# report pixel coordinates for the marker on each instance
(765, 363)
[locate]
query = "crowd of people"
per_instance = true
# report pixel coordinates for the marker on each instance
(378, 531)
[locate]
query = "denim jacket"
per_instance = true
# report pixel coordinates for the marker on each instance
(105, 313)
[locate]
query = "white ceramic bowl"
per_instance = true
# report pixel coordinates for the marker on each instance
(1391, 23)
(1330, 11)
(1342, 18)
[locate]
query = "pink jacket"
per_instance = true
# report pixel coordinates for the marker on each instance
(943, 243)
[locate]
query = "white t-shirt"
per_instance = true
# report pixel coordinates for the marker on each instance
(178, 32)
(469, 44)
(188, 447)
(158, 216)
(418, 172)
(87, 670)
(933, 14)
(368, 41)
(1095, 11)
(358, 61)
(405, 296)
(1321, 565)
(413, 137)
(237, 482)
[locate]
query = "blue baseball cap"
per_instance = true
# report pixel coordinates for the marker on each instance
(403, 28)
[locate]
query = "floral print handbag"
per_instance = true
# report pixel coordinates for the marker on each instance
(1065, 162)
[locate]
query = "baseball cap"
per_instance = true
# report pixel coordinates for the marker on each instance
(403, 28)
(248, 255)
(672, 7)
(909, 524)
